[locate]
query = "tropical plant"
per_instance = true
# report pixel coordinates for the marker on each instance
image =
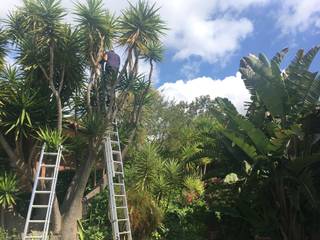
(8, 193)
(3, 43)
(145, 215)
(278, 149)
(52, 138)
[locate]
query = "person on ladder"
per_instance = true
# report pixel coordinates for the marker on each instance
(109, 66)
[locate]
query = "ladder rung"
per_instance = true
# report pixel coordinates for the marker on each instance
(121, 207)
(114, 142)
(118, 184)
(120, 195)
(116, 152)
(50, 153)
(32, 237)
(43, 192)
(39, 206)
(123, 220)
(37, 221)
(122, 233)
(45, 178)
(113, 133)
(118, 162)
(48, 165)
(119, 173)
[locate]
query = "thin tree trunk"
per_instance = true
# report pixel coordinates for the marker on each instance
(136, 114)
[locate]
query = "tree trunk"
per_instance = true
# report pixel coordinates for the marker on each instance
(59, 111)
(72, 209)
(56, 217)
(2, 217)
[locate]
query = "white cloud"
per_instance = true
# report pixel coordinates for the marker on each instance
(298, 16)
(144, 68)
(206, 29)
(211, 40)
(194, 31)
(190, 69)
(231, 87)
(8, 5)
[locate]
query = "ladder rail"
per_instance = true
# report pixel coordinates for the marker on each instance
(124, 186)
(52, 194)
(109, 152)
(114, 219)
(35, 185)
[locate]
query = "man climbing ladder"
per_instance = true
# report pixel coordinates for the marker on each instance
(109, 68)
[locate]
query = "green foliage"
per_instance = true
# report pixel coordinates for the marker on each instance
(20, 105)
(8, 190)
(286, 94)
(94, 125)
(153, 51)
(81, 231)
(193, 188)
(140, 24)
(188, 223)
(52, 138)
(9, 235)
(96, 225)
(145, 214)
(3, 43)
(95, 25)
(146, 167)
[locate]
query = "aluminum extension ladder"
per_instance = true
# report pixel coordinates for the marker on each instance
(44, 186)
(118, 206)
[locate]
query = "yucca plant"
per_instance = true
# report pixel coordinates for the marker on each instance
(52, 138)
(8, 192)
(193, 188)
(20, 104)
(3, 43)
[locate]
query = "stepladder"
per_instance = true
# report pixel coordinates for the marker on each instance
(43, 194)
(118, 205)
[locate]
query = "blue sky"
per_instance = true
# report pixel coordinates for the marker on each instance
(207, 39)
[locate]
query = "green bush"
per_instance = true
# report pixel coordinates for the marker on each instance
(96, 224)
(187, 223)
(6, 235)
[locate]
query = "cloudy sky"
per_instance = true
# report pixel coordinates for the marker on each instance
(207, 38)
